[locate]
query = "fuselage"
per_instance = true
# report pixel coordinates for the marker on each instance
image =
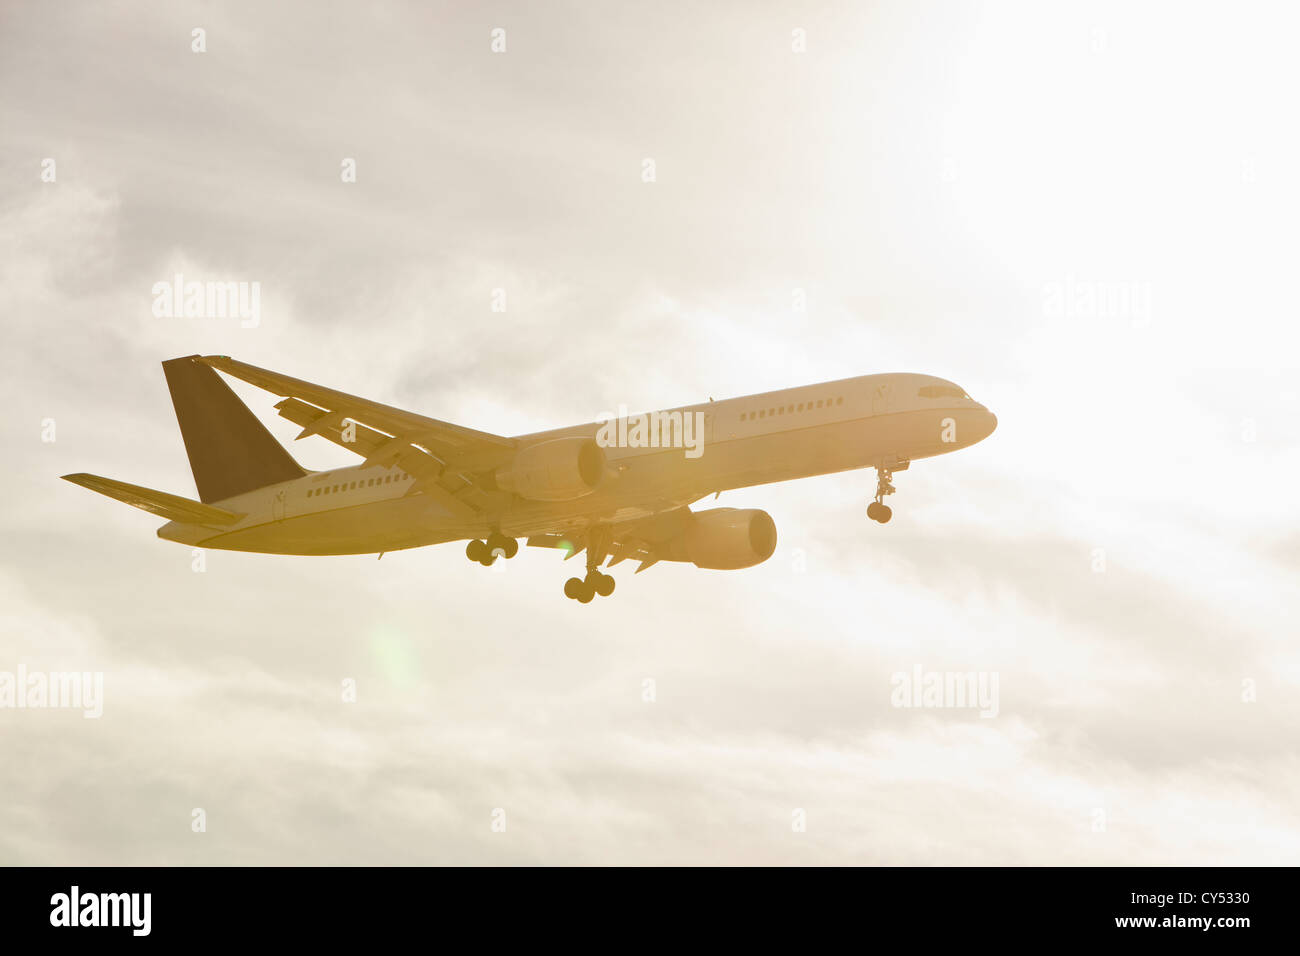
(863, 422)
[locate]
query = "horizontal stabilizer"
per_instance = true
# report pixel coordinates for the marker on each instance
(171, 507)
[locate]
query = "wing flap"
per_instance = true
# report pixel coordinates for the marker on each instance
(645, 540)
(380, 449)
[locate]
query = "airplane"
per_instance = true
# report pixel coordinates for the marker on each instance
(617, 489)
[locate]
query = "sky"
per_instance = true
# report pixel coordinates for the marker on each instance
(1083, 213)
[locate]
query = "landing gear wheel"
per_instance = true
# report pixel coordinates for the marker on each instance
(584, 589)
(508, 547)
(884, 513)
(475, 550)
(579, 590)
(873, 510)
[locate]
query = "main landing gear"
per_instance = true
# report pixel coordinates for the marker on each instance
(485, 552)
(583, 590)
(596, 582)
(878, 510)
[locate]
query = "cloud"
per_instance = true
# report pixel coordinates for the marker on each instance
(921, 214)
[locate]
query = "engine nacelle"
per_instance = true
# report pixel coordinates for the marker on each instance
(726, 539)
(562, 469)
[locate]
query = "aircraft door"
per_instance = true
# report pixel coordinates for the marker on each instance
(882, 400)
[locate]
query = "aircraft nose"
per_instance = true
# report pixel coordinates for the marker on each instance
(990, 422)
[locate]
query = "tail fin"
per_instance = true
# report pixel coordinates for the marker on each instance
(230, 451)
(171, 507)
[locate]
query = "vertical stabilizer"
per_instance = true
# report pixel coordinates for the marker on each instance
(230, 451)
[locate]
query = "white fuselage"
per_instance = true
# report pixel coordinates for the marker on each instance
(859, 422)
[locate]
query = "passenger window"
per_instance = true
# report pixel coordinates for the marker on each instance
(941, 391)
(840, 400)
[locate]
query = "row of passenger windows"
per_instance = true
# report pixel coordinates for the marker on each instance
(791, 409)
(363, 483)
(941, 391)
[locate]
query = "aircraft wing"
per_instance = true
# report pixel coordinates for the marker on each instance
(442, 457)
(645, 540)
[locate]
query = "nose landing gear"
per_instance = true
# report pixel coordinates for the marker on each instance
(878, 510)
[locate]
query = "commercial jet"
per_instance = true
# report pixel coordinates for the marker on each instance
(617, 489)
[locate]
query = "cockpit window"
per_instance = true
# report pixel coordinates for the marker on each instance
(942, 391)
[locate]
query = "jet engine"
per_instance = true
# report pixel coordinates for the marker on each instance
(725, 539)
(562, 469)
